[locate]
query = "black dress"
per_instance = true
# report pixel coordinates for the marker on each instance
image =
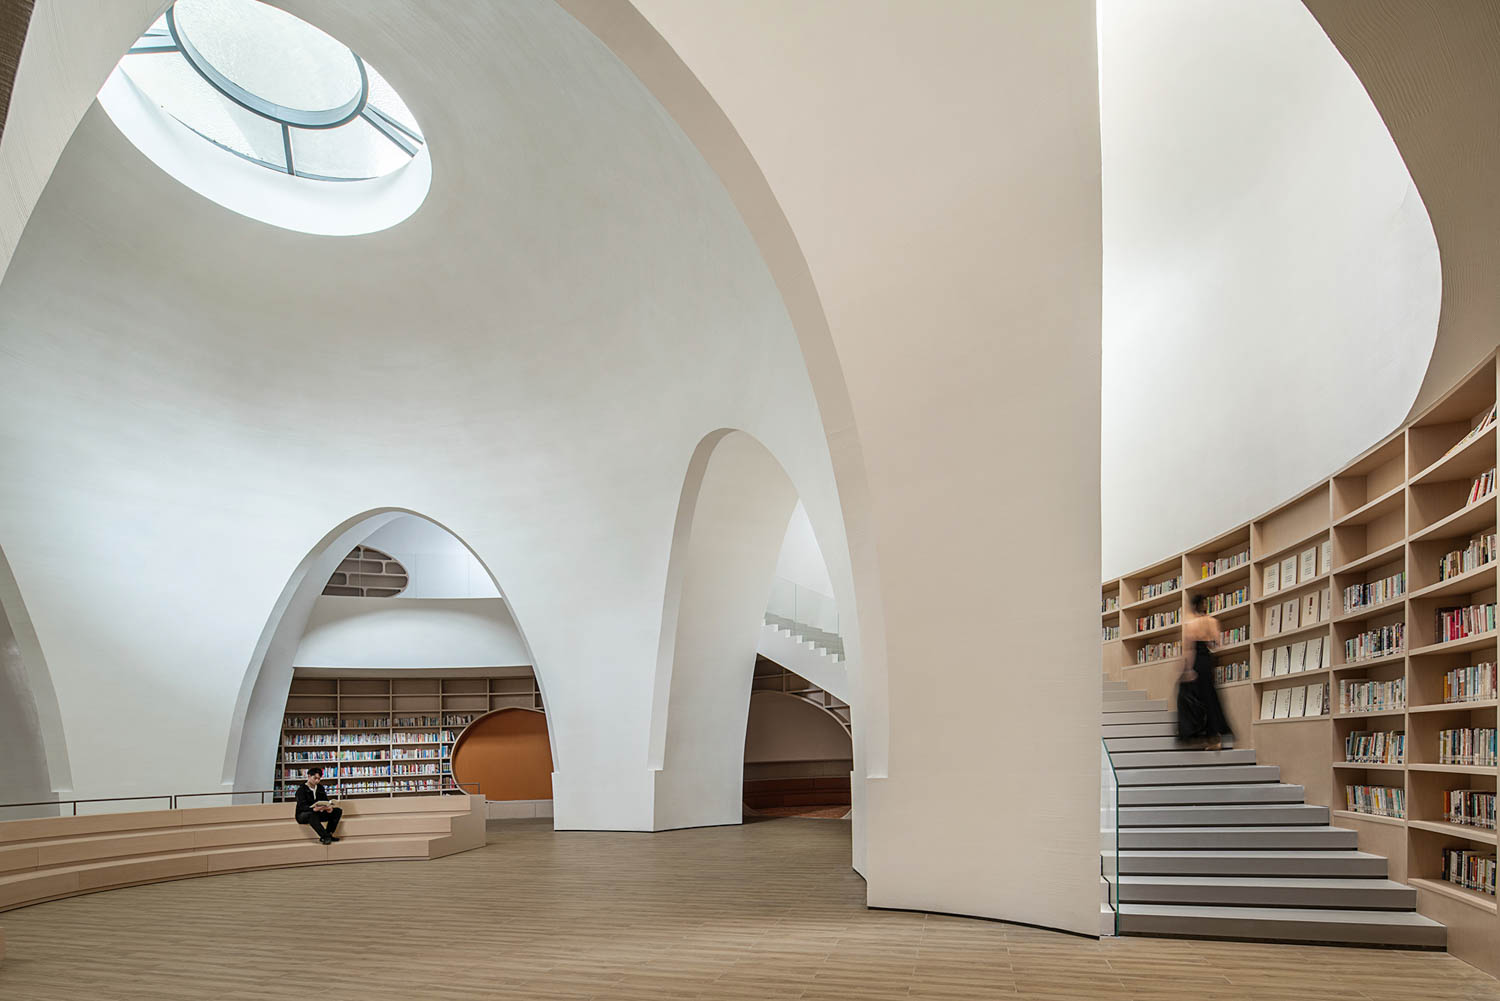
(1199, 712)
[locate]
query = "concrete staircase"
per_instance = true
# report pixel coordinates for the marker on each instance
(831, 644)
(1214, 845)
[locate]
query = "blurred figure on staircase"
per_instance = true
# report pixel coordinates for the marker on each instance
(1200, 716)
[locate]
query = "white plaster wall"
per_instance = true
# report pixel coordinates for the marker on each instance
(411, 632)
(437, 564)
(800, 560)
(785, 728)
(1271, 279)
(573, 308)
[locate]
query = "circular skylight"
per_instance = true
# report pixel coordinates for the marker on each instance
(270, 88)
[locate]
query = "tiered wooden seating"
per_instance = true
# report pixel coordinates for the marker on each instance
(62, 856)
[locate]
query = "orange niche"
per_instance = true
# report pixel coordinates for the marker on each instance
(507, 752)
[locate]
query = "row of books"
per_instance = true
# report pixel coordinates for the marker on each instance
(1457, 623)
(1467, 746)
(310, 740)
(1375, 592)
(1225, 600)
(407, 753)
(1479, 552)
(1470, 869)
(364, 756)
(312, 722)
(1470, 684)
(1469, 808)
(1297, 568)
(365, 722)
(1111, 633)
(1381, 641)
(1360, 696)
(1156, 620)
(1223, 564)
(1158, 651)
(1376, 747)
(1225, 674)
(1111, 603)
(1378, 801)
(1482, 487)
(390, 785)
(1294, 613)
(1239, 634)
(1294, 658)
(1485, 423)
(1160, 588)
(1295, 702)
(309, 756)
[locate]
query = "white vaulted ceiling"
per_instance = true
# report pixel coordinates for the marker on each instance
(1271, 280)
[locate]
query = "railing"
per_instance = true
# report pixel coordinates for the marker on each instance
(1109, 830)
(173, 801)
(795, 606)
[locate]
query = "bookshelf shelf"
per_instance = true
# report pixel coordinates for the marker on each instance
(1480, 834)
(1160, 632)
(1464, 583)
(1372, 611)
(1385, 554)
(1232, 648)
(1368, 766)
(1465, 462)
(1458, 646)
(1237, 684)
(1465, 521)
(1373, 818)
(1290, 719)
(1473, 898)
(1391, 501)
(1418, 766)
(1446, 707)
(1370, 714)
(1299, 589)
(1221, 580)
(1289, 635)
(1365, 665)
(1170, 598)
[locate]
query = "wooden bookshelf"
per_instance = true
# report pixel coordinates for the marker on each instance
(402, 723)
(1395, 510)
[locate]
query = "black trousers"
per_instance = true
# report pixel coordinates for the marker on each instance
(323, 823)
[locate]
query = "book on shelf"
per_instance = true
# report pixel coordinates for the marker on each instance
(1310, 605)
(1381, 641)
(1327, 549)
(1317, 701)
(1299, 702)
(1267, 663)
(1289, 615)
(1272, 582)
(1273, 620)
(1378, 801)
(1478, 553)
(1482, 487)
(1289, 571)
(1327, 652)
(1469, 808)
(1485, 423)
(1456, 623)
(1111, 633)
(1299, 653)
(1314, 659)
(1360, 695)
(1309, 564)
(1152, 652)
(1375, 592)
(1268, 705)
(1283, 703)
(1225, 674)
(1467, 745)
(1470, 684)
(1375, 747)
(1470, 868)
(1224, 564)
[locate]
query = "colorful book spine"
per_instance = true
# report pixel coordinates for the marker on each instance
(1377, 801)
(1158, 651)
(1470, 868)
(1111, 633)
(1467, 746)
(1224, 564)
(1225, 600)
(1482, 487)
(1376, 748)
(1160, 588)
(1479, 552)
(1157, 620)
(1381, 641)
(1375, 592)
(1470, 684)
(1469, 808)
(1358, 695)
(1458, 623)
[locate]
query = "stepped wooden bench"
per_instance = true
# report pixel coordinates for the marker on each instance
(57, 857)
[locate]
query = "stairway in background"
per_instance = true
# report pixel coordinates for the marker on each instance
(1214, 845)
(831, 644)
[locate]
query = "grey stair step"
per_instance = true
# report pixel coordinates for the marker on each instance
(1269, 891)
(1159, 742)
(1224, 815)
(1282, 838)
(1139, 730)
(1123, 695)
(1203, 775)
(1117, 686)
(1189, 795)
(1182, 759)
(1137, 706)
(1404, 928)
(1107, 720)
(1328, 864)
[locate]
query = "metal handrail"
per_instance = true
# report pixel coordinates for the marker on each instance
(173, 798)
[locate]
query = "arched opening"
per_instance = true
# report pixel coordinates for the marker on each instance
(732, 527)
(32, 744)
(376, 656)
(507, 753)
(798, 749)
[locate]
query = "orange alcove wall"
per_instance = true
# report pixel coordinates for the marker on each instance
(508, 754)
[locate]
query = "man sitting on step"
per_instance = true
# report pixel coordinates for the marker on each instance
(315, 809)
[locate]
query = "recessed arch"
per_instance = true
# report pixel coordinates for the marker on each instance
(731, 520)
(507, 751)
(256, 723)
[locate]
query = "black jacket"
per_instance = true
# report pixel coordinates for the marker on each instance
(306, 799)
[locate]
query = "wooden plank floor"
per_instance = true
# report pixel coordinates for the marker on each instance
(768, 910)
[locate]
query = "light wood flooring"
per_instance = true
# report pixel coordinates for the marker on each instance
(768, 910)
